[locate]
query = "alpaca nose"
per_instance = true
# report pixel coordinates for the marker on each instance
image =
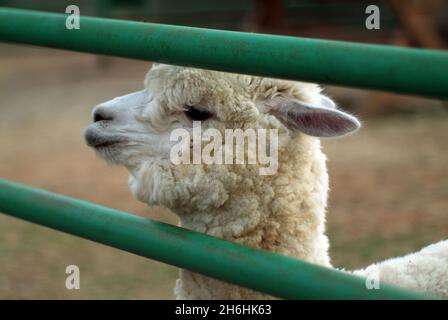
(101, 114)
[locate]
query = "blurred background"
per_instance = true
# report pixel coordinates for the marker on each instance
(389, 182)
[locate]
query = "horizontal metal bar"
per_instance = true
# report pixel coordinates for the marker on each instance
(259, 270)
(405, 70)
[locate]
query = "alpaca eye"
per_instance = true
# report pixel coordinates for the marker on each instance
(197, 114)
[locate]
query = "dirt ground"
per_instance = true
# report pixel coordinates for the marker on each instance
(389, 182)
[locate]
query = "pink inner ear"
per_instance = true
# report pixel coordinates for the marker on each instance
(321, 122)
(317, 121)
(329, 121)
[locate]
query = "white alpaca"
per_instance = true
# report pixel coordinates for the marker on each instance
(424, 271)
(283, 213)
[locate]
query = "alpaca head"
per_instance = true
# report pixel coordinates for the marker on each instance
(134, 130)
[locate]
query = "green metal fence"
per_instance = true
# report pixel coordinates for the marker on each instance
(412, 71)
(422, 72)
(260, 270)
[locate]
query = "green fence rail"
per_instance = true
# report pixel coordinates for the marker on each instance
(260, 270)
(405, 70)
(414, 71)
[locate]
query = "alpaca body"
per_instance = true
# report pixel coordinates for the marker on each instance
(423, 271)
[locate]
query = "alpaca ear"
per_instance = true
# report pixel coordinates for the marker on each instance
(322, 119)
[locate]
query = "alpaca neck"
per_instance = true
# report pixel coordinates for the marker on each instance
(284, 213)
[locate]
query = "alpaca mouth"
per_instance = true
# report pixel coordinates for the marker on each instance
(97, 141)
(105, 144)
